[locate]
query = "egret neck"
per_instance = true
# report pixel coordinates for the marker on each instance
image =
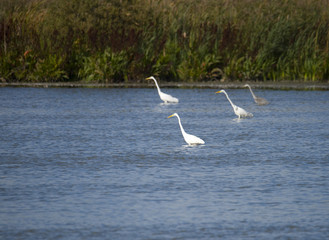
(181, 126)
(252, 93)
(156, 84)
(228, 99)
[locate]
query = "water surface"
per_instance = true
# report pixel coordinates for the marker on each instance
(108, 164)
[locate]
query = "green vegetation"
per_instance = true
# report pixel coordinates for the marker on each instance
(109, 41)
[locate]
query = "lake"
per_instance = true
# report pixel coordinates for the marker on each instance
(79, 163)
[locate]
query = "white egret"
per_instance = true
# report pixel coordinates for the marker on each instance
(190, 139)
(240, 112)
(163, 96)
(258, 100)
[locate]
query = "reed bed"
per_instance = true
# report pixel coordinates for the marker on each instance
(108, 41)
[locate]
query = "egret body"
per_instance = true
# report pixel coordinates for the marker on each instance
(163, 96)
(189, 138)
(258, 100)
(240, 112)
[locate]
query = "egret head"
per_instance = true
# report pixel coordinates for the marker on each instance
(150, 78)
(220, 91)
(173, 115)
(246, 85)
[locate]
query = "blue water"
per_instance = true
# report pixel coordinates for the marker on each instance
(109, 164)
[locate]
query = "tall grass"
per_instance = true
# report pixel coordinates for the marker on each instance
(186, 40)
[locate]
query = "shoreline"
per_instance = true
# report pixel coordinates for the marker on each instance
(212, 85)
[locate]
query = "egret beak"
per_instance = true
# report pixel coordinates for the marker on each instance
(171, 116)
(219, 91)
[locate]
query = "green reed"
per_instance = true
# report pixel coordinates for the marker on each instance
(185, 40)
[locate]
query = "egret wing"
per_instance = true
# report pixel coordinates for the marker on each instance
(168, 98)
(261, 101)
(191, 139)
(243, 113)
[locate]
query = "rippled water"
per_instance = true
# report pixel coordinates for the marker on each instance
(108, 164)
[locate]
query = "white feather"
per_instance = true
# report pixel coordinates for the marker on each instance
(240, 112)
(189, 138)
(163, 96)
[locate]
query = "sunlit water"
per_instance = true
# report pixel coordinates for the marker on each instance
(109, 164)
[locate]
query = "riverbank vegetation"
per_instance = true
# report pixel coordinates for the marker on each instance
(108, 41)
